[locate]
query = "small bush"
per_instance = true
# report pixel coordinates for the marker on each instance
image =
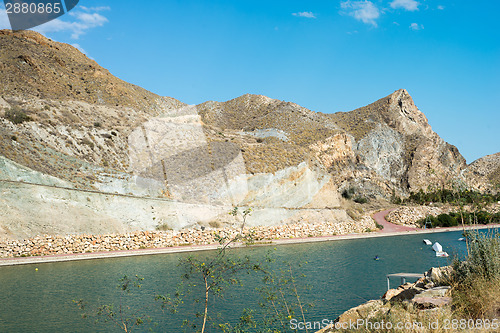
(16, 115)
(454, 219)
(476, 280)
(446, 220)
(453, 197)
(360, 200)
(395, 199)
(163, 227)
(348, 193)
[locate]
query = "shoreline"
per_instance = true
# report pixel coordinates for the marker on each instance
(195, 248)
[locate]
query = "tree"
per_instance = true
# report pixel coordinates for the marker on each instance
(122, 316)
(211, 275)
(246, 213)
(220, 271)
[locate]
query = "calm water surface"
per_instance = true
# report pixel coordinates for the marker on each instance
(342, 274)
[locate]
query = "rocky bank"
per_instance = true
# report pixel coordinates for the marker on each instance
(50, 244)
(409, 215)
(413, 304)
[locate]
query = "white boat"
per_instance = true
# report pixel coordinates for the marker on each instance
(442, 254)
(462, 239)
(427, 242)
(437, 247)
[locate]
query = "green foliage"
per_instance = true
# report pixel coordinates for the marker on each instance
(361, 200)
(16, 115)
(395, 199)
(216, 274)
(245, 214)
(348, 193)
(205, 281)
(457, 197)
(484, 256)
(121, 315)
(213, 276)
(454, 219)
(446, 220)
(476, 280)
(280, 301)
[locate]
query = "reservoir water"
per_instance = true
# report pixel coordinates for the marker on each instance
(341, 274)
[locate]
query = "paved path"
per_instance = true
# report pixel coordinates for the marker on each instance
(390, 227)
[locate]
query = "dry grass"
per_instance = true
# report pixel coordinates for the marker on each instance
(476, 282)
(477, 300)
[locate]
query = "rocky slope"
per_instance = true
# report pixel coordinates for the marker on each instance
(380, 148)
(487, 167)
(67, 123)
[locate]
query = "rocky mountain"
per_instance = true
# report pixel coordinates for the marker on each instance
(377, 149)
(83, 151)
(80, 114)
(485, 168)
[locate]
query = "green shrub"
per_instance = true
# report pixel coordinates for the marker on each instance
(360, 200)
(476, 280)
(348, 193)
(16, 115)
(446, 220)
(453, 197)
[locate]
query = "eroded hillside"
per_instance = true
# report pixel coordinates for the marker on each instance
(100, 145)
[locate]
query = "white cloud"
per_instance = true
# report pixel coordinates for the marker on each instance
(94, 9)
(76, 22)
(440, 7)
(79, 48)
(304, 14)
(79, 24)
(410, 5)
(416, 26)
(364, 11)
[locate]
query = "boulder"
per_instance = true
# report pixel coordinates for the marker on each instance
(404, 292)
(439, 275)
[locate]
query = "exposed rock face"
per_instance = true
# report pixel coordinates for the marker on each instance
(397, 147)
(487, 167)
(383, 147)
(86, 129)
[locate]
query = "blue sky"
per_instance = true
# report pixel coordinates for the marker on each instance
(328, 56)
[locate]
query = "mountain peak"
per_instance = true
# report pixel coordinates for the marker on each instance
(34, 66)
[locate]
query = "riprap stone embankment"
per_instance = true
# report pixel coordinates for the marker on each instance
(50, 245)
